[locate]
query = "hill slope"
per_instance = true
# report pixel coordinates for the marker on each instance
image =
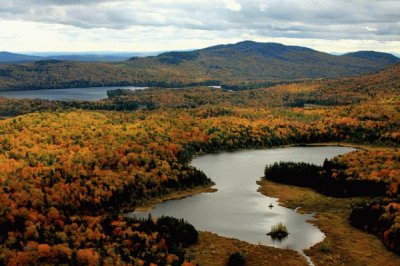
(245, 63)
(7, 57)
(372, 55)
(252, 62)
(371, 91)
(372, 88)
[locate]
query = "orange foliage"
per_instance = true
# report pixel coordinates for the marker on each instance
(88, 257)
(62, 172)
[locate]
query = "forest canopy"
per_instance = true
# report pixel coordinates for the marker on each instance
(70, 169)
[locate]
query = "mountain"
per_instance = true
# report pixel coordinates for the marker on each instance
(6, 57)
(244, 64)
(262, 62)
(376, 56)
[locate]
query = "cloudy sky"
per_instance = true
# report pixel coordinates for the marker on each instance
(159, 25)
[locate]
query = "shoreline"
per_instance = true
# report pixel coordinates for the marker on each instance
(148, 205)
(330, 216)
(343, 243)
(213, 249)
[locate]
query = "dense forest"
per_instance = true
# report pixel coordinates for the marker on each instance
(70, 169)
(373, 173)
(367, 93)
(56, 188)
(89, 163)
(236, 66)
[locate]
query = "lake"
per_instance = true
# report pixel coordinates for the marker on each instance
(237, 210)
(82, 94)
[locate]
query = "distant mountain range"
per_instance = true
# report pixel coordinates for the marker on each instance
(12, 58)
(6, 57)
(242, 65)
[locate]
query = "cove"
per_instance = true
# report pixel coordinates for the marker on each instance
(237, 210)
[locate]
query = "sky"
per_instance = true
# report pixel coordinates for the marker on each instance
(160, 25)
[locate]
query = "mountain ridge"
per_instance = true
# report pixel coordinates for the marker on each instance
(19, 58)
(8, 57)
(242, 64)
(373, 55)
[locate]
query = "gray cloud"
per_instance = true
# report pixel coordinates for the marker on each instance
(328, 19)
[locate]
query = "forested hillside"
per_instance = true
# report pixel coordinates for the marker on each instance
(242, 65)
(381, 88)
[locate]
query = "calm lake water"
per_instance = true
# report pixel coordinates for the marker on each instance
(82, 94)
(237, 210)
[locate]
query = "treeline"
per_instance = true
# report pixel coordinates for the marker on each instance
(380, 217)
(372, 122)
(322, 179)
(281, 96)
(88, 240)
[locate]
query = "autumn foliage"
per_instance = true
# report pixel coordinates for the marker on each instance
(67, 175)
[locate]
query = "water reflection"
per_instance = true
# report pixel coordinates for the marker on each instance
(82, 94)
(237, 210)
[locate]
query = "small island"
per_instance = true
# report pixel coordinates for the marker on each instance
(278, 231)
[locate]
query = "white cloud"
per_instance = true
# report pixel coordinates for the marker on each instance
(263, 7)
(183, 24)
(371, 29)
(232, 5)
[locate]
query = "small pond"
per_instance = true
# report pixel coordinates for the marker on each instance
(237, 210)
